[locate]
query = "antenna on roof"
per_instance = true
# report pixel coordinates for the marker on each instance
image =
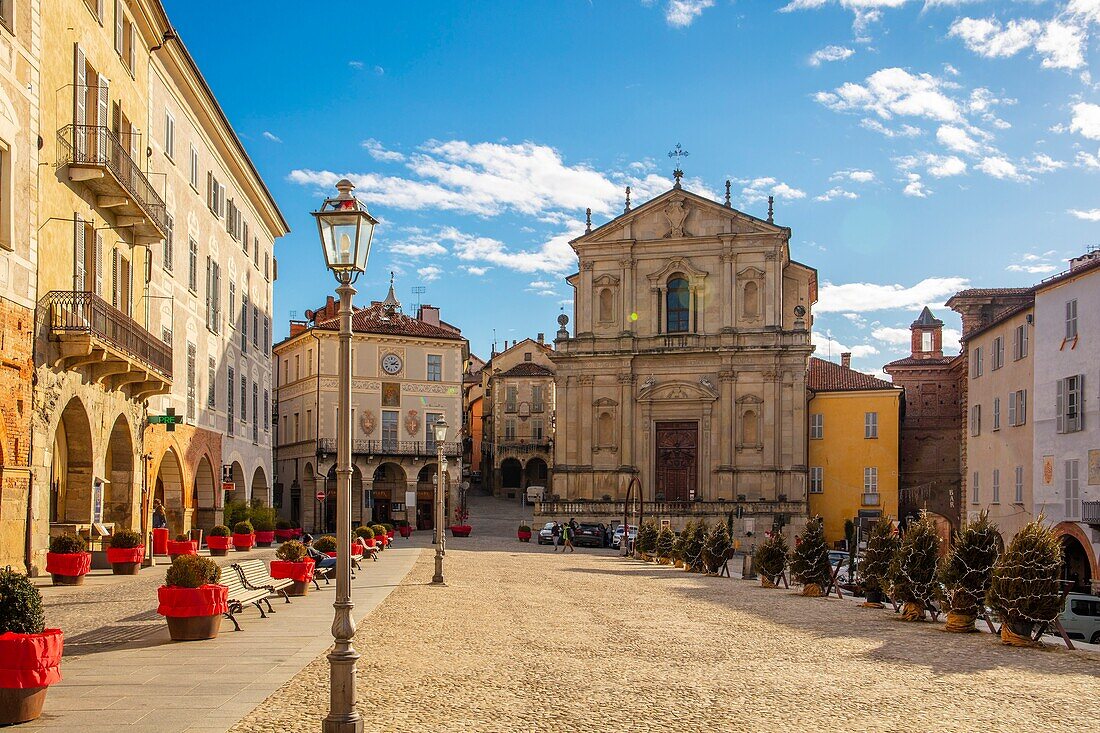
(418, 290)
(294, 315)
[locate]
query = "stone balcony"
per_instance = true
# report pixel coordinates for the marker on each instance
(769, 338)
(612, 509)
(413, 448)
(1090, 513)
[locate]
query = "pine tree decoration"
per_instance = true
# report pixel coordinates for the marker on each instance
(966, 573)
(681, 543)
(1025, 589)
(913, 570)
(717, 548)
(693, 547)
(647, 539)
(810, 559)
(874, 571)
(770, 559)
(666, 545)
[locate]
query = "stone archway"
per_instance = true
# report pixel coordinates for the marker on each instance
(71, 467)
(536, 473)
(260, 489)
(425, 496)
(511, 474)
(390, 483)
(1078, 559)
(168, 489)
(204, 494)
(240, 488)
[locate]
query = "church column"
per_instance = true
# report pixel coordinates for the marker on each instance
(584, 299)
(585, 421)
(626, 292)
(659, 296)
(728, 293)
(726, 406)
(773, 288)
(626, 419)
(770, 427)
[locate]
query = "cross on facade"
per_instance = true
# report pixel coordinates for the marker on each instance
(678, 154)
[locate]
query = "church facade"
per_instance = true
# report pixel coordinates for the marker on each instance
(686, 369)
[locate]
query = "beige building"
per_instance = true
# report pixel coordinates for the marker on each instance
(406, 372)
(143, 214)
(687, 367)
(518, 418)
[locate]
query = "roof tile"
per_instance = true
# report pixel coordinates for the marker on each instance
(825, 376)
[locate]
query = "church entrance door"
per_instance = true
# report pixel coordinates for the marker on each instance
(677, 460)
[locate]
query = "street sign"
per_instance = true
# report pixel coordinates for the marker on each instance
(320, 496)
(228, 486)
(169, 419)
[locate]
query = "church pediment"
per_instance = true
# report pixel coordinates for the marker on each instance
(606, 279)
(676, 391)
(678, 264)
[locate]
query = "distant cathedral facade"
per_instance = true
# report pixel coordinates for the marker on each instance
(686, 368)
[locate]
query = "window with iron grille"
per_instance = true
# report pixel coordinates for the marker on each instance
(191, 382)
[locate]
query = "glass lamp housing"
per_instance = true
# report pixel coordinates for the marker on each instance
(440, 430)
(346, 229)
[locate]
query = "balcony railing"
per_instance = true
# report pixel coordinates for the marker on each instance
(517, 445)
(390, 447)
(1090, 512)
(78, 312)
(97, 146)
(667, 508)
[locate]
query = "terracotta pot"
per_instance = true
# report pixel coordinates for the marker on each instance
(193, 628)
(18, 705)
(31, 663)
(67, 579)
(218, 552)
(68, 568)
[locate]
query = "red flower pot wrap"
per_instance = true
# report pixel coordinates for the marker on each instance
(218, 543)
(285, 534)
(267, 537)
(389, 533)
(76, 563)
(406, 531)
(244, 540)
(523, 535)
(160, 541)
(125, 554)
(206, 600)
(461, 530)
(183, 547)
(299, 571)
(29, 661)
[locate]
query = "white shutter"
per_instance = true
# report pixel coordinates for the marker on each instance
(80, 103)
(1021, 407)
(97, 264)
(1012, 408)
(114, 277)
(209, 293)
(79, 254)
(118, 26)
(126, 284)
(101, 117)
(133, 46)
(1060, 405)
(1080, 422)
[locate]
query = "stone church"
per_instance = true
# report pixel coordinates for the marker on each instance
(687, 365)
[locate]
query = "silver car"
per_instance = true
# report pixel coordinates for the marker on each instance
(617, 536)
(546, 534)
(1081, 617)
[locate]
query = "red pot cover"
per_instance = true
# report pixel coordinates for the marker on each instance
(285, 534)
(300, 571)
(523, 535)
(370, 542)
(183, 547)
(244, 540)
(267, 537)
(125, 554)
(389, 533)
(76, 563)
(30, 660)
(160, 541)
(207, 600)
(331, 554)
(218, 543)
(406, 531)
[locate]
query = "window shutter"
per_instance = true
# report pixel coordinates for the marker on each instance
(1021, 407)
(124, 284)
(133, 46)
(1080, 423)
(1023, 341)
(1012, 408)
(114, 277)
(97, 264)
(79, 273)
(118, 26)
(209, 293)
(80, 101)
(102, 96)
(1060, 405)
(210, 190)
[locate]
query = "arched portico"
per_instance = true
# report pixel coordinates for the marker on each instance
(260, 488)
(71, 466)
(536, 473)
(390, 483)
(168, 489)
(1078, 556)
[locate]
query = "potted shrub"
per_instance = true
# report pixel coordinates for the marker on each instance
(235, 511)
(913, 570)
(218, 541)
(524, 533)
(263, 521)
(404, 528)
(30, 654)
(293, 564)
(716, 549)
(380, 537)
(874, 571)
(810, 559)
(284, 531)
(182, 545)
(366, 534)
(125, 552)
(461, 530)
(389, 529)
(191, 600)
(1025, 589)
(965, 574)
(646, 542)
(326, 544)
(68, 560)
(770, 559)
(666, 545)
(244, 536)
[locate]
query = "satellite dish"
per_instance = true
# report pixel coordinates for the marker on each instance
(309, 315)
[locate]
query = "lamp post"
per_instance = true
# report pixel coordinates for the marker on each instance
(345, 228)
(440, 432)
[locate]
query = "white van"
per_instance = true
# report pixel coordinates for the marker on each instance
(1081, 617)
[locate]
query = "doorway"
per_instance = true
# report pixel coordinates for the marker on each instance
(677, 457)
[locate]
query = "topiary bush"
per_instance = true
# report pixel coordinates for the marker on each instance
(291, 551)
(68, 544)
(1025, 589)
(646, 542)
(666, 544)
(20, 604)
(965, 574)
(192, 571)
(125, 539)
(220, 531)
(326, 543)
(263, 518)
(913, 569)
(693, 547)
(524, 528)
(810, 559)
(236, 511)
(244, 527)
(716, 548)
(874, 571)
(182, 538)
(770, 559)
(365, 532)
(388, 526)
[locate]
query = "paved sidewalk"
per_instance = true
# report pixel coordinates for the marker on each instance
(151, 684)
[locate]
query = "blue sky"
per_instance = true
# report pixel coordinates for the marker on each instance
(914, 147)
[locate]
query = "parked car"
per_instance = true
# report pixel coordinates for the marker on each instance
(1081, 617)
(617, 536)
(845, 575)
(589, 535)
(546, 534)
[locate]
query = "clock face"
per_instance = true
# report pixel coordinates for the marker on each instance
(391, 363)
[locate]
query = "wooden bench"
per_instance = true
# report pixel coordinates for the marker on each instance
(241, 596)
(256, 577)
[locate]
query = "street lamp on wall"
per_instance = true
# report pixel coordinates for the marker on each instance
(439, 430)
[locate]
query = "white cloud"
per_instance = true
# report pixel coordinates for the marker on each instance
(914, 186)
(830, 348)
(987, 37)
(379, 152)
(854, 175)
(957, 139)
(272, 136)
(1000, 167)
(864, 297)
(1086, 214)
(894, 336)
(356, 64)
(939, 166)
(1062, 45)
(429, 273)
(829, 53)
(379, 71)
(901, 131)
(418, 245)
(1060, 40)
(758, 189)
(836, 193)
(682, 13)
(894, 92)
(474, 270)
(856, 319)
(1086, 120)
(1032, 269)
(553, 256)
(1087, 160)
(1043, 163)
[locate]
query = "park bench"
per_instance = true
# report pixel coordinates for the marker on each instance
(240, 596)
(256, 577)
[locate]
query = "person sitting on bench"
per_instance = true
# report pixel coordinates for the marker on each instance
(321, 560)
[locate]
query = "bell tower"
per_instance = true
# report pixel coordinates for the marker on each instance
(927, 336)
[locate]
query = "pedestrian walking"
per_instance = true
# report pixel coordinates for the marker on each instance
(555, 533)
(160, 519)
(567, 536)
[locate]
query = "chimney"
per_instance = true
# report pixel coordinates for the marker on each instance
(297, 327)
(846, 360)
(428, 314)
(541, 338)
(1090, 256)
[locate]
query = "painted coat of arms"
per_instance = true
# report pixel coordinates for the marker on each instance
(367, 422)
(412, 423)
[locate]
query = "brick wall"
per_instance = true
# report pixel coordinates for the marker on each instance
(15, 428)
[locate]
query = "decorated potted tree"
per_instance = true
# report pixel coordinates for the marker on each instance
(125, 552)
(1025, 589)
(810, 559)
(191, 600)
(716, 548)
(681, 541)
(263, 521)
(966, 572)
(460, 528)
(913, 570)
(524, 533)
(219, 541)
(693, 547)
(666, 545)
(770, 559)
(244, 536)
(182, 545)
(646, 543)
(404, 528)
(293, 564)
(874, 571)
(381, 539)
(68, 560)
(30, 654)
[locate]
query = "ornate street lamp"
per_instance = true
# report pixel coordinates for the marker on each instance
(345, 227)
(439, 429)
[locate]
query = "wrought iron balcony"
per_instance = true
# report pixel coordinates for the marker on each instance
(518, 445)
(96, 157)
(415, 448)
(599, 508)
(1090, 513)
(109, 345)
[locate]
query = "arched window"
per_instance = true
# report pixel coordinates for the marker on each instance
(677, 305)
(607, 301)
(605, 430)
(750, 432)
(751, 300)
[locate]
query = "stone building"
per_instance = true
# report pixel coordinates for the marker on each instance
(687, 366)
(145, 234)
(406, 372)
(20, 37)
(473, 404)
(518, 418)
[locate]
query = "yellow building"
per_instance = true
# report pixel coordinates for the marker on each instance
(853, 454)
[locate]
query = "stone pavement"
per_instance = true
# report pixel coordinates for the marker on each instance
(522, 638)
(121, 672)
